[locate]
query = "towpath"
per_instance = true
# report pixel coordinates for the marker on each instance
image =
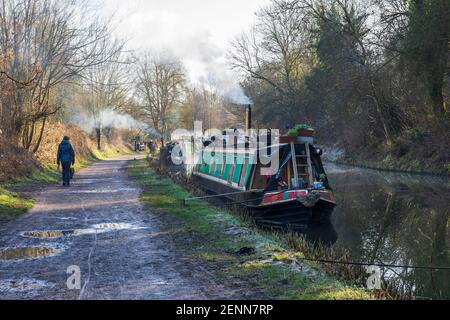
(99, 228)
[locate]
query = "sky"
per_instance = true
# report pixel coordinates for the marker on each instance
(196, 31)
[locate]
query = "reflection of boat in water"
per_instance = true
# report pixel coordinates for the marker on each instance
(296, 192)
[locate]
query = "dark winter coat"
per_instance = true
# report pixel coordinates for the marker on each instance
(65, 153)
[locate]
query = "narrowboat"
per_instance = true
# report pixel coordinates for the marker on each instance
(298, 192)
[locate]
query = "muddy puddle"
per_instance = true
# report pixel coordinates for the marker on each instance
(23, 285)
(106, 228)
(95, 229)
(44, 234)
(96, 181)
(102, 191)
(114, 226)
(26, 253)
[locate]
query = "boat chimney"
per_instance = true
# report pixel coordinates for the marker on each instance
(248, 118)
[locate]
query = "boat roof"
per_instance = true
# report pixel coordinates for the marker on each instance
(242, 149)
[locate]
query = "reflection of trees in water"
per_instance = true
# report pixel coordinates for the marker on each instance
(398, 224)
(435, 283)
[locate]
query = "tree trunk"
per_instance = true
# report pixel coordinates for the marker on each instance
(435, 57)
(381, 115)
(41, 133)
(31, 135)
(27, 135)
(437, 98)
(380, 107)
(99, 138)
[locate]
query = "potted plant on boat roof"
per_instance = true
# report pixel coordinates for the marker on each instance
(301, 130)
(298, 134)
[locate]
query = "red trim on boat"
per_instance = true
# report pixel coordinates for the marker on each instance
(275, 197)
(271, 198)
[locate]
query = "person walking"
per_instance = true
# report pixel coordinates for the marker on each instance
(65, 158)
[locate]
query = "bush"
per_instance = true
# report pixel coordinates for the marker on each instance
(14, 161)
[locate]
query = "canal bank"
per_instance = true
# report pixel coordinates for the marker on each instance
(380, 161)
(228, 248)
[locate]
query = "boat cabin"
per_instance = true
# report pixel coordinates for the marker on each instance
(297, 190)
(300, 167)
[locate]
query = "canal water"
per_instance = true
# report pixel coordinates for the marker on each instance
(395, 219)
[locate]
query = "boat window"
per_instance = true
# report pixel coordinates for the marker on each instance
(260, 181)
(213, 168)
(224, 161)
(228, 162)
(217, 164)
(237, 168)
(232, 168)
(250, 168)
(226, 172)
(237, 173)
(244, 171)
(231, 174)
(218, 170)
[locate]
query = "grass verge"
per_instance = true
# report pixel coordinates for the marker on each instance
(210, 236)
(12, 205)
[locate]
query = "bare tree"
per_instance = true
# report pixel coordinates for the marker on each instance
(43, 44)
(276, 50)
(282, 51)
(105, 86)
(159, 88)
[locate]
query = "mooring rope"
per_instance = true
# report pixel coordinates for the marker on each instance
(219, 195)
(238, 202)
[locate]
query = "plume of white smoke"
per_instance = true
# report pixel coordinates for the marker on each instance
(207, 66)
(107, 118)
(162, 24)
(236, 95)
(211, 70)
